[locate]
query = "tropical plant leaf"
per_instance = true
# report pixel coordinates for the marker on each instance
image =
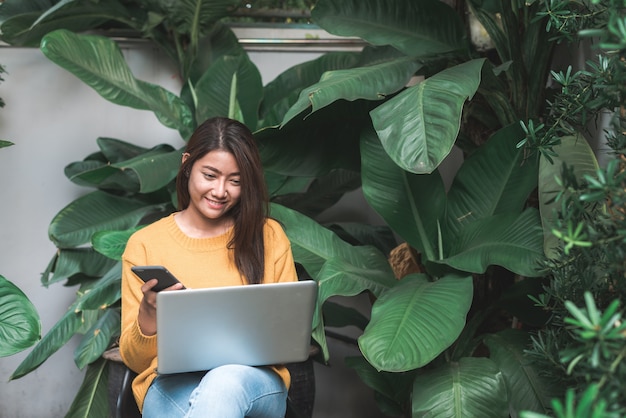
(313, 146)
(155, 169)
(4, 144)
(192, 17)
(578, 155)
(339, 278)
(24, 23)
(416, 320)
(471, 387)
(512, 241)
(55, 338)
(99, 63)
(91, 401)
(411, 204)
(101, 293)
(372, 83)
(20, 326)
(322, 193)
(417, 28)
(419, 126)
(97, 339)
(338, 315)
(495, 179)
(75, 224)
(112, 243)
(297, 77)
(526, 389)
(393, 388)
(71, 261)
(213, 89)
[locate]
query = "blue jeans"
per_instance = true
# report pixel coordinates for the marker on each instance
(231, 391)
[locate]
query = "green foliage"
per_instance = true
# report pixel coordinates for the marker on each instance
(340, 121)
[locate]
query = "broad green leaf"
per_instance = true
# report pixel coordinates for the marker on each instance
(24, 23)
(411, 204)
(471, 387)
(76, 223)
(102, 293)
(71, 261)
(194, 16)
(416, 320)
(338, 315)
(313, 146)
(97, 339)
(372, 83)
(55, 338)
(322, 193)
(393, 388)
(338, 277)
(92, 400)
(99, 63)
(419, 126)
(578, 155)
(313, 245)
(513, 241)
(112, 243)
(417, 28)
(526, 388)
(495, 179)
(299, 76)
(20, 326)
(4, 144)
(154, 170)
(213, 90)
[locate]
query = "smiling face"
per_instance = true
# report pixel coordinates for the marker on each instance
(214, 186)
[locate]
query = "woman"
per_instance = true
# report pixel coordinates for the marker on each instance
(220, 236)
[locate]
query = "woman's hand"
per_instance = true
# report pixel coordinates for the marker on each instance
(147, 308)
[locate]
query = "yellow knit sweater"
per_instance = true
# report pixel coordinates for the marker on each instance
(197, 263)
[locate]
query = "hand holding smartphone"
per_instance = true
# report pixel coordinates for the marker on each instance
(165, 278)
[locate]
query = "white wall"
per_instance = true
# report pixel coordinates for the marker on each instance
(54, 119)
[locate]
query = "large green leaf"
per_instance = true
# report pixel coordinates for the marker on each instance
(72, 261)
(513, 241)
(98, 338)
(471, 387)
(313, 146)
(99, 63)
(75, 224)
(321, 193)
(419, 126)
(20, 326)
(192, 17)
(101, 293)
(579, 157)
(416, 320)
(392, 389)
(417, 28)
(24, 23)
(299, 76)
(372, 83)
(526, 388)
(411, 204)
(154, 170)
(92, 400)
(496, 178)
(112, 243)
(55, 338)
(213, 89)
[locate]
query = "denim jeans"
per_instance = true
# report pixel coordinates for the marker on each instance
(231, 391)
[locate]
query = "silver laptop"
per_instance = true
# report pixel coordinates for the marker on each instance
(200, 329)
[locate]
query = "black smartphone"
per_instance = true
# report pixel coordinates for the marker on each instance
(165, 278)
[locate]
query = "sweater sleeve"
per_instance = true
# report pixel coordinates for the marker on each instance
(137, 350)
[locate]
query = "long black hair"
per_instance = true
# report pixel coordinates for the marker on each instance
(251, 212)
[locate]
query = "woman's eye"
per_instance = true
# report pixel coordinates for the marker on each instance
(209, 175)
(235, 182)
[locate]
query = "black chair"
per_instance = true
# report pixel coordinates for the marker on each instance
(122, 403)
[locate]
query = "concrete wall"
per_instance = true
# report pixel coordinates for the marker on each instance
(54, 119)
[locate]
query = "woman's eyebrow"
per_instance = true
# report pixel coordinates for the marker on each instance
(208, 167)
